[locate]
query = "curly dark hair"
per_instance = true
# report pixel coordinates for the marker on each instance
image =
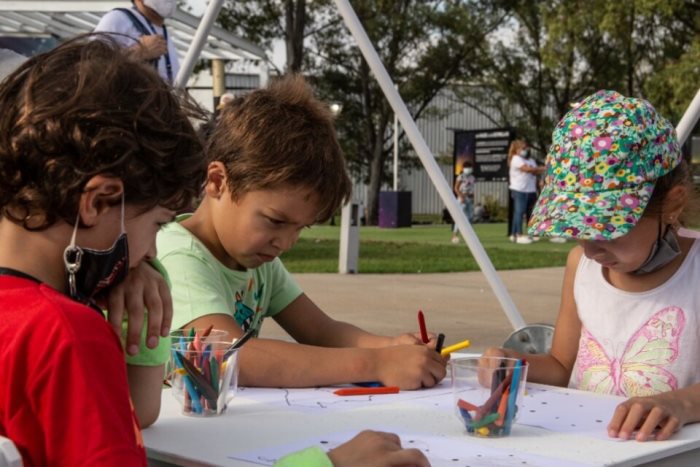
(281, 135)
(83, 109)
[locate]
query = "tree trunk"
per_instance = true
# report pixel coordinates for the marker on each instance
(376, 173)
(294, 22)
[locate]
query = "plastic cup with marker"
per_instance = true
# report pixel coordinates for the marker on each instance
(204, 378)
(487, 392)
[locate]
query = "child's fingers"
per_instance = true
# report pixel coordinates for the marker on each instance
(167, 304)
(115, 308)
(671, 425)
(618, 418)
(135, 309)
(154, 305)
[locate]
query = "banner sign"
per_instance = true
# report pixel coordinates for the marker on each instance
(485, 150)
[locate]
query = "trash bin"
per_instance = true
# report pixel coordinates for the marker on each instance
(394, 209)
(349, 238)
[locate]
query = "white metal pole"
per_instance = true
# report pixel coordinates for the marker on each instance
(431, 166)
(689, 119)
(198, 41)
(396, 153)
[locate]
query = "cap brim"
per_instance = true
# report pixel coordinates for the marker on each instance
(589, 215)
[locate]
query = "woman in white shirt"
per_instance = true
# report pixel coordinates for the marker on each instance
(523, 172)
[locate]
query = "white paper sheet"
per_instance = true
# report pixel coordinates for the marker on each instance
(440, 451)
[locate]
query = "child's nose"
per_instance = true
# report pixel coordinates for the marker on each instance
(590, 248)
(286, 241)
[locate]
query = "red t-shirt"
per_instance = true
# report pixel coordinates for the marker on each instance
(64, 395)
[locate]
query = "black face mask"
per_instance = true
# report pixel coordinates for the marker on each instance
(663, 252)
(91, 272)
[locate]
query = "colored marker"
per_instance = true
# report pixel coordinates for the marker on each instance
(440, 342)
(366, 391)
(514, 387)
(455, 347)
(423, 330)
(369, 384)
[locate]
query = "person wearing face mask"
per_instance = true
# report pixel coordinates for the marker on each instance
(142, 29)
(628, 321)
(522, 175)
(464, 190)
(84, 193)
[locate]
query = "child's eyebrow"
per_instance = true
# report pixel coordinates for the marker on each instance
(283, 217)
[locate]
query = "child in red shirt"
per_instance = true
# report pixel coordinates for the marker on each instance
(96, 154)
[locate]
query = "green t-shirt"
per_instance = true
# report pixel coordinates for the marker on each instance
(201, 285)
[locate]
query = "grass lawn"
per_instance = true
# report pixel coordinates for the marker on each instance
(420, 249)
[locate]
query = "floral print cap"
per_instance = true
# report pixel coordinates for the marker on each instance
(605, 156)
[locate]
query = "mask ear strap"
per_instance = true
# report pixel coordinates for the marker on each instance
(123, 226)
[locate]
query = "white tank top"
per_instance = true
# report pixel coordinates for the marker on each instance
(638, 343)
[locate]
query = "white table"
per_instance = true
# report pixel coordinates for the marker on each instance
(258, 420)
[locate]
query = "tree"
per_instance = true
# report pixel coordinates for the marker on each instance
(563, 50)
(424, 45)
(265, 20)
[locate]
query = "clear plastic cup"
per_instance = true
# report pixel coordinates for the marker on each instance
(487, 391)
(204, 379)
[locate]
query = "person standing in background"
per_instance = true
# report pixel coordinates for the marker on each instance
(523, 172)
(464, 190)
(142, 29)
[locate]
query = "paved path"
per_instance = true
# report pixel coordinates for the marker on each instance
(461, 305)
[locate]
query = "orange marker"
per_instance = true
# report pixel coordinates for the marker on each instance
(502, 406)
(366, 391)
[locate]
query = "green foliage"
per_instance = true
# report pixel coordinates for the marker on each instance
(547, 55)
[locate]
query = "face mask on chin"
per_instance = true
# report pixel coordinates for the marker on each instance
(90, 272)
(664, 250)
(164, 8)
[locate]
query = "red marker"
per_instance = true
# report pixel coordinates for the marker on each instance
(423, 329)
(366, 391)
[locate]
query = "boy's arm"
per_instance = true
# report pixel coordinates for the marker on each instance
(145, 384)
(275, 363)
(555, 367)
(308, 324)
(146, 288)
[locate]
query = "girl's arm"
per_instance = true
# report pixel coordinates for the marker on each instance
(662, 414)
(555, 367)
(537, 170)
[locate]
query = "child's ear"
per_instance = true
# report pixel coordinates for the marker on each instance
(674, 203)
(100, 193)
(216, 179)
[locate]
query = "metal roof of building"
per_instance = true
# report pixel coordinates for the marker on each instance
(65, 19)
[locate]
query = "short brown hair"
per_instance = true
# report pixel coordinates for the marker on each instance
(83, 109)
(281, 135)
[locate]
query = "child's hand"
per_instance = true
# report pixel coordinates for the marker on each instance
(411, 339)
(410, 366)
(662, 414)
(144, 288)
(376, 449)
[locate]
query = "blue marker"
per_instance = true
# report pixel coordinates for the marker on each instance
(514, 387)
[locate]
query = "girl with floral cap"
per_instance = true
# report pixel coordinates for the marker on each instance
(628, 320)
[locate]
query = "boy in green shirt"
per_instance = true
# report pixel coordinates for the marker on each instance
(275, 167)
